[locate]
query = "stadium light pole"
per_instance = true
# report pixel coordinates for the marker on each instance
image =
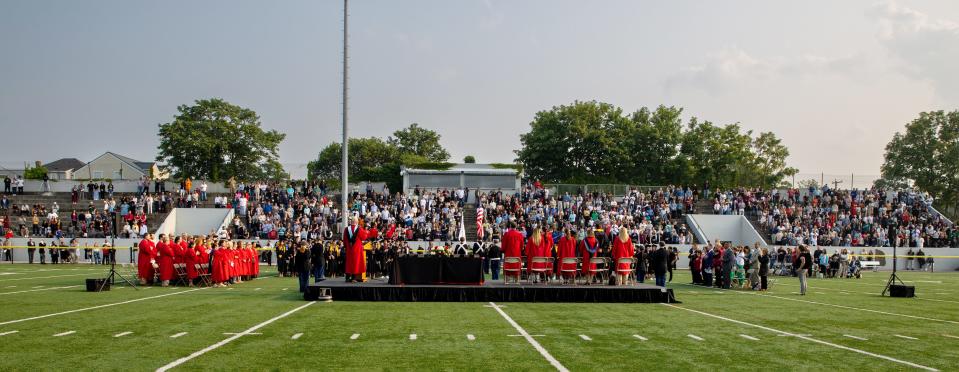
(345, 147)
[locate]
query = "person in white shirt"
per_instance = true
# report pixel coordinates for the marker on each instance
(203, 187)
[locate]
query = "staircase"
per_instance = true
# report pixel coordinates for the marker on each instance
(469, 219)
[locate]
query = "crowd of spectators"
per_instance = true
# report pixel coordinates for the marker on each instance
(847, 218)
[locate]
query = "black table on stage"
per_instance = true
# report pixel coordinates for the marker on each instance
(437, 270)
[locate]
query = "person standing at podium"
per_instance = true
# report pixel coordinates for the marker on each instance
(353, 237)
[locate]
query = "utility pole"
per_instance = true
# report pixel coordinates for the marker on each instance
(346, 144)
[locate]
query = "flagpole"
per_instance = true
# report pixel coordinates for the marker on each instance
(345, 145)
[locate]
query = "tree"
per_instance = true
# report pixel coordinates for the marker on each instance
(927, 156)
(770, 160)
(216, 140)
(419, 141)
(34, 173)
(469, 159)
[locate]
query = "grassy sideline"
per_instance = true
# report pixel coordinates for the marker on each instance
(923, 331)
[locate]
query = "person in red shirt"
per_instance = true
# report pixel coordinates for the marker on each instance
(353, 237)
(146, 260)
(622, 248)
(567, 249)
(221, 265)
(512, 248)
(164, 259)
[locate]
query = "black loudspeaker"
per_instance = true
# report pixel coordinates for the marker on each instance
(898, 290)
(94, 284)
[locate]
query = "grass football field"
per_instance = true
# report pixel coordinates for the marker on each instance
(48, 322)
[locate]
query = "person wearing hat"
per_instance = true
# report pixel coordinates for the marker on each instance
(659, 260)
(146, 258)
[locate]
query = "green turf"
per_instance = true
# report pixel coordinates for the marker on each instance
(833, 308)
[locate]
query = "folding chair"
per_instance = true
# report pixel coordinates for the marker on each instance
(600, 265)
(540, 266)
(181, 275)
(203, 272)
(631, 272)
(514, 272)
(566, 272)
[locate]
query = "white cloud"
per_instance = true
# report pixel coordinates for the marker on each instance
(926, 48)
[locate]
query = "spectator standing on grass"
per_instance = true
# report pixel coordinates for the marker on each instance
(729, 262)
(909, 259)
(301, 264)
(318, 259)
(804, 264)
(659, 260)
(763, 269)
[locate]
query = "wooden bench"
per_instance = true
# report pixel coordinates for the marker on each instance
(867, 264)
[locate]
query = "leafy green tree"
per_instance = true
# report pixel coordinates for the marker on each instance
(419, 141)
(34, 173)
(927, 156)
(216, 140)
(469, 159)
(769, 156)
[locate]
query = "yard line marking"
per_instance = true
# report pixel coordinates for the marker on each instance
(179, 335)
(355, 336)
(12, 332)
(42, 277)
(11, 286)
(98, 306)
(585, 338)
(39, 286)
(234, 333)
(839, 306)
(906, 337)
(64, 333)
(694, 337)
(296, 336)
(285, 289)
(231, 338)
(257, 289)
(524, 335)
(542, 351)
(748, 337)
(121, 334)
(856, 337)
(641, 338)
(818, 341)
(471, 337)
(43, 289)
(944, 335)
(412, 336)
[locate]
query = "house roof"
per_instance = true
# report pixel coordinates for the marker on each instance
(145, 166)
(63, 165)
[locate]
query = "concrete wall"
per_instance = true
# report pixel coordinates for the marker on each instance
(735, 229)
(194, 221)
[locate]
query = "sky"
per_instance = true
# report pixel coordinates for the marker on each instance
(834, 79)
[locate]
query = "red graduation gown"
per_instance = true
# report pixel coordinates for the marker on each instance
(355, 255)
(191, 258)
(146, 252)
(221, 266)
(536, 250)
(512, 247)
(165, 260)
(567, 249)
(622, 249)
(585, 245)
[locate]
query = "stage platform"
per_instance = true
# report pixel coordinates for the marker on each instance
(380, 290)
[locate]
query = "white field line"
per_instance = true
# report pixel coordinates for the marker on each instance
(869, 293)
(891, 359)
(64, 333)
(296, 336)
(44, 289)
(231, 338)
(694, 337)
(748, 337)
(98, 307)
(950, 336)
(181, 334)
(471, 337)
(412, 336)
(839, 306)
(856, 337)
(906, 337)
(585, 338)
(542, 351)
(355, 336)
(8, 333)
(641, 338)
(121, 334)
(41, 277)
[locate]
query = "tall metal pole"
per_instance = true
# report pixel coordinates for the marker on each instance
(346, 145)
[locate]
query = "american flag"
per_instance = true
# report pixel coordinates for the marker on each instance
(479, 223)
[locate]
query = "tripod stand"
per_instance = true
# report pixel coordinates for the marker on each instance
(111, 278)
(893, 278)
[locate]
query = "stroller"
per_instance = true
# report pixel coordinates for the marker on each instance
(855, 269)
